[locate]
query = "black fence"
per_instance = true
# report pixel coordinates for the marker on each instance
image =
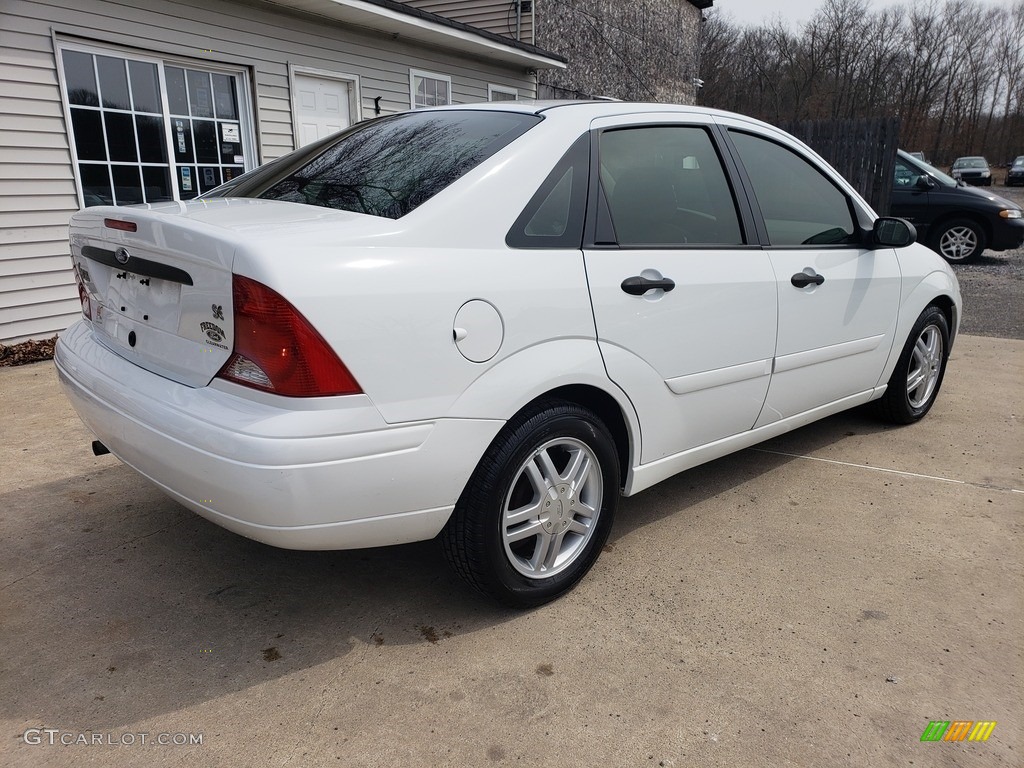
(864, 151)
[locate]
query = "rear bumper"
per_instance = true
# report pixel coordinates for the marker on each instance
(321, 474)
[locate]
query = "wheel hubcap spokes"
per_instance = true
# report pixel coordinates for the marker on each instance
(551, 510)
(958, 243)
(925, 366)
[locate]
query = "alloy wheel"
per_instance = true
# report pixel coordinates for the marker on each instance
(551, 510)
(925, 366)
(958, 243)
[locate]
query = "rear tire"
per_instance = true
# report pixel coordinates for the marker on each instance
(915, 382)
(538, 508)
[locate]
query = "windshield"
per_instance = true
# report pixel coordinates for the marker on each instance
(1019, 162)
(923, 168)
(970, 162)
(389, 166)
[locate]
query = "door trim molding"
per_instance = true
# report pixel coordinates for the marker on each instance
(694, 382)
(824, 354)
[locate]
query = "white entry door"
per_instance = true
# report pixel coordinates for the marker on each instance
(322, 107)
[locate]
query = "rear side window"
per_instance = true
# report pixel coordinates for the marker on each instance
(665, 186)
(800, 205)
(391, 166)
(554, 216)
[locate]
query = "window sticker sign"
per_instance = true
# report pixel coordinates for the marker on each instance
(186, 179)
(231, 132)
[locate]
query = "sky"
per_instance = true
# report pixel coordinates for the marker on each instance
(794, 12)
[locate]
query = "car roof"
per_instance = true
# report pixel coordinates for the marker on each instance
(597, 108)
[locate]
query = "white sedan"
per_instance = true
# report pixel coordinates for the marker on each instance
(486, 323)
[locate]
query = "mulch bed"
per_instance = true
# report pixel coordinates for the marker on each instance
(27, 352)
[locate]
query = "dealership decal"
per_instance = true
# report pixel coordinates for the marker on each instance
(54, 737)
(214, 334)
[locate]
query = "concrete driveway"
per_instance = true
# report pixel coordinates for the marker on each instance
(813, 602)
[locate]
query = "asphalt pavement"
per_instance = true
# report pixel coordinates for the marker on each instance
(816, 601)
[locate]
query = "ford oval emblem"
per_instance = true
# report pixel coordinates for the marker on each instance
(122, 255)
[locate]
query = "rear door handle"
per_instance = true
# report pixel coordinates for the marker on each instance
(639, 285)
(802, 279)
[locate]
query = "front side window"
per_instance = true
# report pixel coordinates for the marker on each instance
(145, 132)
(430, 90)
(905, 176)
(800, 205)
(665, 186)
(390, 166)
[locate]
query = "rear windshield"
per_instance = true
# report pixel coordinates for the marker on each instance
(385, 167)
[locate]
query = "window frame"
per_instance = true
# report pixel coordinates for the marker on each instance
(508, 90)
(246, 116)
(424, 74)
(599, 223)
(862, 222)
(577, 155)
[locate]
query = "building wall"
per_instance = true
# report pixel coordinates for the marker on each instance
(634, 50)
(37, 184)
(497, 16)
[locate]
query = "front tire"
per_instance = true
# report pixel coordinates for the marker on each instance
(538, 508)
(915, 382)
(959, 241)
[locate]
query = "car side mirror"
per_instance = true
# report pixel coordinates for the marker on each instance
(890, 232)
(925, 182)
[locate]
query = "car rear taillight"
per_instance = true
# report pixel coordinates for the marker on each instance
(277, 350)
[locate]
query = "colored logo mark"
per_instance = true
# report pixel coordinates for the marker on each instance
(958, 730)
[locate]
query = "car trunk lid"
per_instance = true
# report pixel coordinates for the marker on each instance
(158, 279)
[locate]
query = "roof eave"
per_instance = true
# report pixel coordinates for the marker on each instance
(405, 22)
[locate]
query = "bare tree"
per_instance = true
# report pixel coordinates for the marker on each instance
(951, 70)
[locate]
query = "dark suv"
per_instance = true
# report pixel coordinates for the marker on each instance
(955, 221)
(1015, 175)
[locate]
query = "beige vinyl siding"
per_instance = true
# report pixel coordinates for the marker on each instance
(497, 16)
(38, 297)
(37, 188)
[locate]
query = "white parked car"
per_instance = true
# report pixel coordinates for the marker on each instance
(486, 323)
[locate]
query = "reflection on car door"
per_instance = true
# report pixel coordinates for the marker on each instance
(838, 301)
(685, 308)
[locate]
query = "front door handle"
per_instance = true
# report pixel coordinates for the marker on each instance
(639, 285)
(802, 279)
